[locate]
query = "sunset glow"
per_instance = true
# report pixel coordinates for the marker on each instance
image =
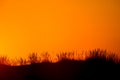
(58, 25)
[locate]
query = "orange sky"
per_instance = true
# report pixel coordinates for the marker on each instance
(58, 25)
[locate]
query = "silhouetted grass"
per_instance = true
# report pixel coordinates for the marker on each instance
(99, 65)
(4, 60)
(103, 56)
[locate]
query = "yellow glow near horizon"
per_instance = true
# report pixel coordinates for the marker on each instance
(58, 25)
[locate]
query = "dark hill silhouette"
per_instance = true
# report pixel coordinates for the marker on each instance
(93, 68)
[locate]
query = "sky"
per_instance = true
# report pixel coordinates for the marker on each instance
(28, 26)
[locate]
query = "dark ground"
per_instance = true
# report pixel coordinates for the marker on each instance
(91, 69)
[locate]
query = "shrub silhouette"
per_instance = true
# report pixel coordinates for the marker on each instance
(22, 61)
(98, 53)
(102, 56)
(4, 60)
(94, 55)
(46, 57)
(33, 58)
(65, 56)
(97, 66)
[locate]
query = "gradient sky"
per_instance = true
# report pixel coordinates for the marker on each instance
(58, 25)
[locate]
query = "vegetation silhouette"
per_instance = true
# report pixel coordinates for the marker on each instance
(99, 65)
(4, 60)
